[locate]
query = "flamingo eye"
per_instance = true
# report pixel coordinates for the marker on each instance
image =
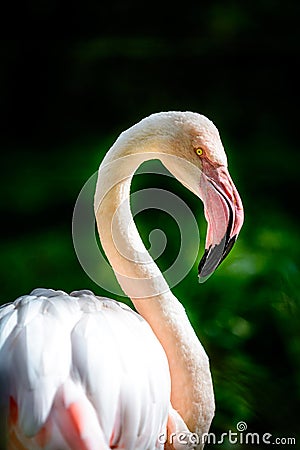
(199, 151)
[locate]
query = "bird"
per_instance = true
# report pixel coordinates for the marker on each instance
(84, 372)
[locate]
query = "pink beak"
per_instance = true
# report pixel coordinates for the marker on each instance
(224, 213)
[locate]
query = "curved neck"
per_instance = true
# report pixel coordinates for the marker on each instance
(142, 281)
(134, 268)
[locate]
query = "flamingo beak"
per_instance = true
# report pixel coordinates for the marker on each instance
(224, 214)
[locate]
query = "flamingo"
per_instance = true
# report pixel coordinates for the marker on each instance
(84, 372)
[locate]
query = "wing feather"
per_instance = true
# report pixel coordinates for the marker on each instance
(31, 358)
(77, 419)
(90, 352)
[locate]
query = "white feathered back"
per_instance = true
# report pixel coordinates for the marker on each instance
(56, 347)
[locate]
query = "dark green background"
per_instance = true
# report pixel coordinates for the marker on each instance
(64, 101)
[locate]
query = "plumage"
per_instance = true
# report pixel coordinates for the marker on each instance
(82, 372)
(58, 362)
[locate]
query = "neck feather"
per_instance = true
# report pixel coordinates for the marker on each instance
(142, 281)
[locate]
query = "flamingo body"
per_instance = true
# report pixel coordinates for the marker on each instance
(73, 382)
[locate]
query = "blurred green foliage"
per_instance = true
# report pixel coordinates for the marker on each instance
(65, 101)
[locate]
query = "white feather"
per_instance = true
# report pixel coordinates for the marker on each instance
(88, 349)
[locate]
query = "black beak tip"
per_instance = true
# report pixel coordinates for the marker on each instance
(213, 256)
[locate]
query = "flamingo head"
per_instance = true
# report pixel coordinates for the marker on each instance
(202, 168)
